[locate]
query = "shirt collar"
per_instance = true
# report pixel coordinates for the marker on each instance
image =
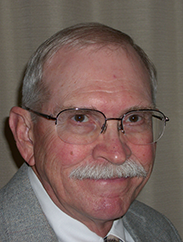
(65, 227)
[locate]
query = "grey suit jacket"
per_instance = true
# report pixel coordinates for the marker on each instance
(22, 219)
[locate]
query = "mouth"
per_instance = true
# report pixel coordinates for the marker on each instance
(105, 181)
(113, 178)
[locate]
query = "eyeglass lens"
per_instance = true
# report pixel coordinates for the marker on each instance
(83, 126)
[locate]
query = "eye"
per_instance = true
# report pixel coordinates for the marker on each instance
(134, 118)
(80, 118)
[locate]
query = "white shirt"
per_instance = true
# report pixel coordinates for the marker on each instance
(65, 227)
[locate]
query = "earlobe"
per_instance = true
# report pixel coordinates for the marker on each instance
(21, 126)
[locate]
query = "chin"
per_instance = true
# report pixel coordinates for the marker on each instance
(110, 209)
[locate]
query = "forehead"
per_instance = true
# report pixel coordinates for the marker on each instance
(77, 76)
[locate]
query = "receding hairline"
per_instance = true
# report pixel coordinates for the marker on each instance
(76, 37)
(81, 36)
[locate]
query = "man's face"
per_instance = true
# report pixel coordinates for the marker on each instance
(113, 81)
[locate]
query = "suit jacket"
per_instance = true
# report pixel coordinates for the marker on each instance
(22, 219)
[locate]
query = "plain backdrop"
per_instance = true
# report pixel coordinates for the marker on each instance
(156, 25)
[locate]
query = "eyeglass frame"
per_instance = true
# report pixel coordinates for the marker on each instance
(104, 126)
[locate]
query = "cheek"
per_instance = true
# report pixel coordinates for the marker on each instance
(68, 155)
(52, 155)
(145, 155)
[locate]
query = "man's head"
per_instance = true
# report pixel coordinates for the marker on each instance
(93, 177)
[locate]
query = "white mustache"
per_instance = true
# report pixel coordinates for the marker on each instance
(129, 168)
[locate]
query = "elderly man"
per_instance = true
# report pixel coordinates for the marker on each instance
(87, 131)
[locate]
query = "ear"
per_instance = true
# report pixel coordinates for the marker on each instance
(22, 128)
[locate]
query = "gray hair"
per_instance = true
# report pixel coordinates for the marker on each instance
(35, 93)
(130, 168)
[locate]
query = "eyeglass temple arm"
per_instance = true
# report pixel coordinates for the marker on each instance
(41, 114)
(166, 118)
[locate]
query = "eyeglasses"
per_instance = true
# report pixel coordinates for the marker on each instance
(83, 126)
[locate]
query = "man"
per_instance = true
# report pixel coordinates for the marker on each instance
(87, 129)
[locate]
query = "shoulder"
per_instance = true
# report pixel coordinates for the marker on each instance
(145, 222)
(141, 210)
(14, 191)
(21, 217)
(12, 199)
(14, 188)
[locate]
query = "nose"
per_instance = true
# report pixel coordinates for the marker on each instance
(111, 146)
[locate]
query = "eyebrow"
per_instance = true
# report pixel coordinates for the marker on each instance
(140, 107)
